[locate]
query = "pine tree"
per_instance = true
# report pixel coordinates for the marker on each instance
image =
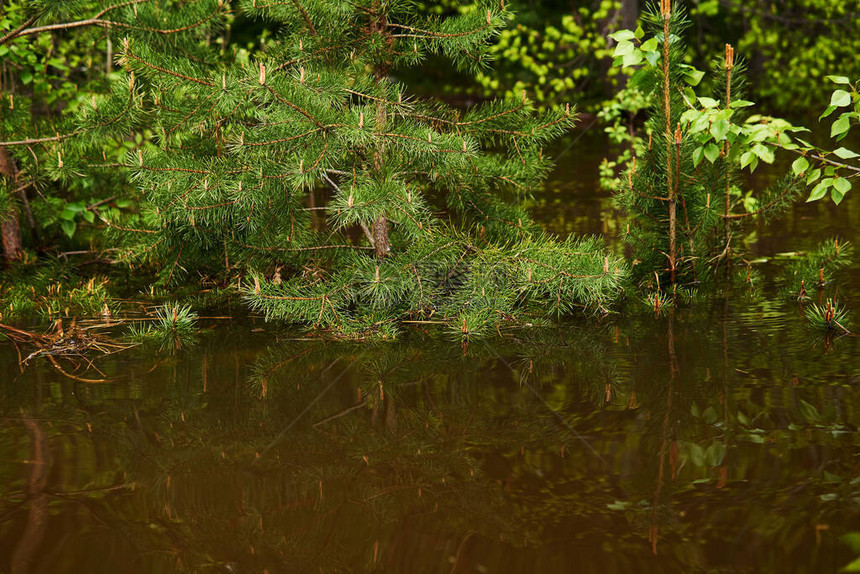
(343, 200)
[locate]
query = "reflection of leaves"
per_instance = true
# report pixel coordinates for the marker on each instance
(701, 456)
(809, 412)
(852, 540)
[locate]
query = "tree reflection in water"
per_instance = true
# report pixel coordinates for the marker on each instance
(701, 440)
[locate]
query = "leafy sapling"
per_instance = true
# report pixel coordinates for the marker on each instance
(682, 188)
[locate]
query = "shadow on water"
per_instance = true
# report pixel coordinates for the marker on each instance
(720, 437)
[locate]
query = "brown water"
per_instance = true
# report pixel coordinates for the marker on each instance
(719, 437)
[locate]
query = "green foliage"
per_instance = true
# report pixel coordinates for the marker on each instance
(682, 193)
(295, 168)
(54, 60)
(552, 55)
(52, 290)
(817, 268)
(793, 45)
(174, 326)
(621, 117)
(830, 316)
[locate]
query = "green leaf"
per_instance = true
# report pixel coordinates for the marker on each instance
(813, 176)
(67, 214)
(652, 57)
(854, 566)
(819, 190)
(741, 104)
(829, 110)
(840, 99)
(712, 152)
(845, 153)
(799, 166)
(68, 227)
(632, 59)
(649, 45)
(708, 102)
(623, 49)
(89, 216)
(720, 129)
(765, 153)
(841, 125)
(839, 80)
(698, 154)
(694, 76)
(622, 35)
(689, 116)
(836, 196)
(842, 184)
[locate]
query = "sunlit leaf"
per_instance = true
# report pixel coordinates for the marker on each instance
(649, 45)
(840, 99)
(799, 166)
(845, 153)
(840, 126)
(741, 104)
(720, 129)
(765, 153)
(819, 190)
(622, 35)
(623, 49)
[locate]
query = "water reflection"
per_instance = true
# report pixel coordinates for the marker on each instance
(708, 439)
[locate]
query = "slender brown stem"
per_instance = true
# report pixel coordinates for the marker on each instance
(17, 31)
(667, 110)
(730, 57)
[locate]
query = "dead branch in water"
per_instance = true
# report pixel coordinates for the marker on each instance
(70, 343)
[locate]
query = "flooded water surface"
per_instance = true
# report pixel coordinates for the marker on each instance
(719, 436)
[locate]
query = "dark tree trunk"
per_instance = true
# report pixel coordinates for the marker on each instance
(629, 14)
(10, 229)
(380, 237)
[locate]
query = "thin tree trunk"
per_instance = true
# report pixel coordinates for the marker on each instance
(729, 64)
(667, 110)
(380, 236)
(379, 229)
(10, 229)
